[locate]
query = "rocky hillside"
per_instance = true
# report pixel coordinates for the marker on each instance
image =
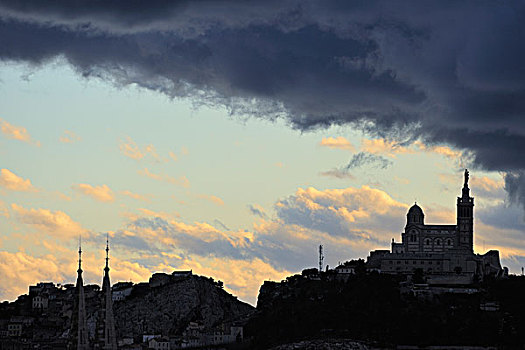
(373, 308)
(168, 309)
(323, 344)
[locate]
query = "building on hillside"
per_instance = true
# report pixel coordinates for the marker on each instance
(159, 279)
(121, 290)
(443, 252)
(14, 329)
(40, 302)
(345, 270)
(159, 343)
(181, 274)
(42, 287)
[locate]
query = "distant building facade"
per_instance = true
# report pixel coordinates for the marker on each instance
(40, 302)
(443, 252)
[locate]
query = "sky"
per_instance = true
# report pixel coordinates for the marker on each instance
(235, 138)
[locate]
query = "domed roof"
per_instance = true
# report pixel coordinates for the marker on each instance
(415, 210)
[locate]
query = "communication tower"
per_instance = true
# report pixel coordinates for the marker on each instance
(321, 258)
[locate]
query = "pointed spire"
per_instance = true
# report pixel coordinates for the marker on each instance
(110, 338)
(79, 254)
(82, 334)
(106, 269)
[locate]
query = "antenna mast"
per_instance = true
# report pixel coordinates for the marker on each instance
(321, 258)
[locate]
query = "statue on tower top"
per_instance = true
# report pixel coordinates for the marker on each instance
(466, 178)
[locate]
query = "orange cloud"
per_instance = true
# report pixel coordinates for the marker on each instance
(392, 148)
(149, 212)
(211, 198)
(443, 150)
(100, 193)
(241, 277)
(350, 202)
(338, 142)
(55, 223)
(13, 182)
(17, 133)
(382, 146)
(180, 181)
(130, 149)
(136, 196)
(183, 152)
(173, 156)
(19, 270)
(487, 183)
(150, 149)
(69, 137)
(3, 210)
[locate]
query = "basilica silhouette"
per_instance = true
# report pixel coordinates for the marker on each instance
(445, 253)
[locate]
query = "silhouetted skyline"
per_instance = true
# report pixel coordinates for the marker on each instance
(233, 139)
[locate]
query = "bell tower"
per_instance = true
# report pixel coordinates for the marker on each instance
(465, 218)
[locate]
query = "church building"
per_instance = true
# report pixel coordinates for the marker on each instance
(105, 337)
(445, 253)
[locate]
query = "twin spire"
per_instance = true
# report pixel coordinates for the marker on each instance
(109, 335)
(79, 271)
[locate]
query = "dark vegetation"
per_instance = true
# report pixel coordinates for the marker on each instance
(373, 308)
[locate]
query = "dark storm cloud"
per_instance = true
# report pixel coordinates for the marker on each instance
(257, 211)
(445, 72)
(221, 225)
(363, 158)
(515, 187)
(502, 216)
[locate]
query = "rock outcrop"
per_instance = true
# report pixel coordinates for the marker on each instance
(323, 344)
(167, 309)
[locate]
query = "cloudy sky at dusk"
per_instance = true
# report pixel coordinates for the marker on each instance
(233, 138)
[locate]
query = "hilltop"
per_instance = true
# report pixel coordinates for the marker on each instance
(179, 307)
(168, 308)
(385, 311)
